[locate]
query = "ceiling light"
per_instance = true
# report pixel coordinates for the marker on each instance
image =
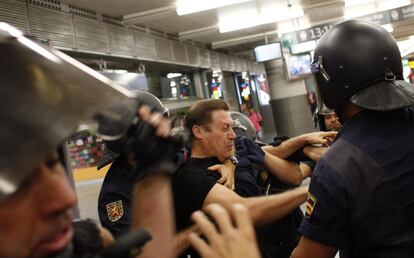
(233, 22)
(118, 71)
(387, 5)
(173, 75)
(388, 27)
(349, 3)
(370, 7)
(193, 6)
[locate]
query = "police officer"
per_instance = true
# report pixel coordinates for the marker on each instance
(327, 120)
(116, 194)
(360, 196)
(45, 96)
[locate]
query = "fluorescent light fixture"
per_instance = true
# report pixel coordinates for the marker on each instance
(239, 22)
(355, 11)
(193, 6)
(388, 27)
(118, 71)
(387, 5)
(349, 3)
(307, 46)
(358, 11)
(173, 75)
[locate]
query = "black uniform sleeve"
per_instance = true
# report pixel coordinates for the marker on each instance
(246, 148)
(114, 210)
(326, 216)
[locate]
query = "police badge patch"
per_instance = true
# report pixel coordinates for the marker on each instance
(114, 210)
(310, 204)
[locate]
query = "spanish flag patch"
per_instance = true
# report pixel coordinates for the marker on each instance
(310, 204)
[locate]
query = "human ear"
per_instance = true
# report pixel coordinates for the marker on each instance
(197, 131)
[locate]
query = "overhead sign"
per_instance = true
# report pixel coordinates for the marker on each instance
(305, 35)
(315, 32)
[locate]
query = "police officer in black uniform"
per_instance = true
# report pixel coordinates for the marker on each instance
(116, 194)
(276, 239)
(360, 199)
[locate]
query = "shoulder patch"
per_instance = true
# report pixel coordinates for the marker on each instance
(114, 210)
(310, 204)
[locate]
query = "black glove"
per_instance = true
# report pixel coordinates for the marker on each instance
(152, 153)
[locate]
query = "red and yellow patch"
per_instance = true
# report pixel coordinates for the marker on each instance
(310, 205)
(114, 210)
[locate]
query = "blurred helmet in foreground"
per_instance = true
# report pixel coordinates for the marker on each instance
(45, 96)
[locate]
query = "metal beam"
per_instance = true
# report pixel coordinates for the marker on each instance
(149, 15)
(191, 34)
(240, 40)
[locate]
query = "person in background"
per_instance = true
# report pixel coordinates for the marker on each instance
(256, 119)
(311, 97)
(327, 119)
(332, 122)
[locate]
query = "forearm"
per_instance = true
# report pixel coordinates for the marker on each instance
(264, 210)
(305, 170)
(286, 148)
(313, 152)
(285, 171)
(153, 210)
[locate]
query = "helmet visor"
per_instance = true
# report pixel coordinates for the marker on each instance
(45, 95)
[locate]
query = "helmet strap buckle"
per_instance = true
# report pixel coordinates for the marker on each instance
(317, 67)
(389, 76)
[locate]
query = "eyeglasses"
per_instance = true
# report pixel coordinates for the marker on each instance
(317, 67)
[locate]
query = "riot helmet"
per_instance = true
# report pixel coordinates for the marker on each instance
(108, 128)
(242, 125)
(360, 61)
(45, 96)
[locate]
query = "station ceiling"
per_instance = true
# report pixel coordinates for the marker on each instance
(203, 27)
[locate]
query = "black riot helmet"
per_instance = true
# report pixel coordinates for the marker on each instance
(360, 61)
(45, 96)
(113, 145)
(146, 98)
(242, 125)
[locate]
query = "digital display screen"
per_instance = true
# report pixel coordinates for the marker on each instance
(298, 65)
(268, 52)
